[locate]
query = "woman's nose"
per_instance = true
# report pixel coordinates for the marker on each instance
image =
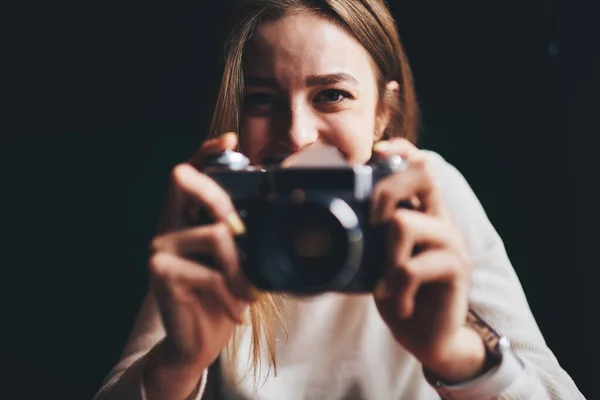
(301, 129)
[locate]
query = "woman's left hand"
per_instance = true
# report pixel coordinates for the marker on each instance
(423, 297)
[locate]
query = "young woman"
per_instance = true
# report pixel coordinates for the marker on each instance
(333, 72)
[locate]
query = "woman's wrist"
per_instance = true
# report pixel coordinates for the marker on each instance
(166, 377)
(463, 359)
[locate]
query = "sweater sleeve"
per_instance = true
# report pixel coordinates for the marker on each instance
(125, 380)
(497, 296)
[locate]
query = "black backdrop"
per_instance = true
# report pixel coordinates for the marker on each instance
(105, 99)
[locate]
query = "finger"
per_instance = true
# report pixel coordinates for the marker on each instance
(401, 242)
(411, 231)
(226, 141)
(178, 277)
(409, 152)
(418, 181)
(413, 234)
(395, 146)
(439, 266)
(403, 289)
(209, 195)
(215, 241)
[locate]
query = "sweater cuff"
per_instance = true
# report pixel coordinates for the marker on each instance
(487, 386)
(195, 395)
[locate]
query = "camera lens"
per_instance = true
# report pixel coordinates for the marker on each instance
(315, 243)
(307, 247)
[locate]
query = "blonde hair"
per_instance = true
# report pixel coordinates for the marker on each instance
(371, 23)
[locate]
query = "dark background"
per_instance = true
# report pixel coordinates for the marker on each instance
(104, 99)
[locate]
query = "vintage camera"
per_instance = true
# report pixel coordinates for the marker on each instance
(308, 228)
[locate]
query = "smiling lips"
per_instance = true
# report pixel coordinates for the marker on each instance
(317, 154)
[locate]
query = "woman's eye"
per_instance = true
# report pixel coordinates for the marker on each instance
(258, 99)
(332, 96)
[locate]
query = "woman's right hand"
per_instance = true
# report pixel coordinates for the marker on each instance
(199, 305)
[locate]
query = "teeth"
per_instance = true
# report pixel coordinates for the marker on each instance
(317, 155)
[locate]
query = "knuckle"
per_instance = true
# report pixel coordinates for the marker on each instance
(401, 219)
(461, 251)
(159, 266)
(421, 165)
(409, 271)
(178, 174)
(426, 166)
(378, 190)
(401, 141)
(461, 265)
(454, 266)
(418, 159)
(219, 234)
(427, 170)
(158, 245)
(384, 195)
(381, 192)
(216, 282)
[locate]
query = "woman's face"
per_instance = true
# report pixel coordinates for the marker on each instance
(306, 79)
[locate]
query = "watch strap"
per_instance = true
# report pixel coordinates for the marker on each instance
(503, 370)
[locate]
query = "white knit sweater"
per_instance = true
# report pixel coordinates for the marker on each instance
(339, 348)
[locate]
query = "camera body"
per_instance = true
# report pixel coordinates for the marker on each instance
(307, 228)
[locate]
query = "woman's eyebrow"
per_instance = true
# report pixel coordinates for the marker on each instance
(312, 80)
(330, 79)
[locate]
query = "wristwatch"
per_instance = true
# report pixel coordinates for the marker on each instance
(502, 368)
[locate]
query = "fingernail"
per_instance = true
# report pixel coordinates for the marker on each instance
(381, 290)
(229, 136)
(381, 146)
(235, 224)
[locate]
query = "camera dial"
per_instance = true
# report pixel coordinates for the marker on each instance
(228, 159)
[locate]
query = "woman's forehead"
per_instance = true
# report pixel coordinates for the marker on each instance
(305, 44)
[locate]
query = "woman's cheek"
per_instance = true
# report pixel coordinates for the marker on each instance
(355, 141)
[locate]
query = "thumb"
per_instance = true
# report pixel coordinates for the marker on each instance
(226, 141)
